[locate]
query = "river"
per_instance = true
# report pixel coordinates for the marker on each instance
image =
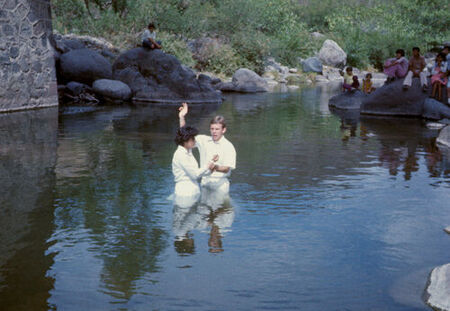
(328, 211)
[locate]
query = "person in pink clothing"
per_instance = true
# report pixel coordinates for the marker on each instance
(439, 76)
(397, 67)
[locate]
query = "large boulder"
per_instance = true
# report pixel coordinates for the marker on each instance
(84, 66)
(332, 54)
(112, 89)
(437, 293)
(203, 48)
(392, 100)
(444, 137)
(270, 64)
(155, 76)
(347, 100)
(246, 81)
(312, 64)
(76, 88)
(64, 45)
(69, 42)
(332, 73)
(435, 110)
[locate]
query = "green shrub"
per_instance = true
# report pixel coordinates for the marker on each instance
(369, 31)
(370, 35)
(223, 60)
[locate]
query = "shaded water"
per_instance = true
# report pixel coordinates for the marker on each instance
(328, 212)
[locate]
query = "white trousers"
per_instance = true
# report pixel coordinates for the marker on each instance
(409, 76)
(187, 193)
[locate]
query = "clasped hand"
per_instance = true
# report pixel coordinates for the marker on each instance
(212, 164)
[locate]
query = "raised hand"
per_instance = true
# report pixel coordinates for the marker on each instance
(183, 110)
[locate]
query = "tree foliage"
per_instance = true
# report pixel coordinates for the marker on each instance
(368, 30)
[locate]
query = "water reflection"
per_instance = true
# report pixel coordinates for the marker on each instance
(106, 196)
(403, 142)
(27, 180)
(213, 214)
(336, 201)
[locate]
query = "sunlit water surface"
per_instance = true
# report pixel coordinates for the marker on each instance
(328, 211)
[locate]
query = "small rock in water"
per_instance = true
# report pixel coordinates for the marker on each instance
(320, 78)
(293, 70)
(435, 126)
(447, 229)
(293, 87)
(437, 293)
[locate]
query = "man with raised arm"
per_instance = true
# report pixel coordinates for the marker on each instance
(209, 146)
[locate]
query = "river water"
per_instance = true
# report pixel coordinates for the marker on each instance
(327, 211)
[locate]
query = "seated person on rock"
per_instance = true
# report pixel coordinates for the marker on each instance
(397, 67)
(439, 75)
(149, 38)
(367, 86)
(416, 68)
(351, 82)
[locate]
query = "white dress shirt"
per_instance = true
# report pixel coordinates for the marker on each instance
(208, 148)
(187, 173)
(224, 148)
(147, 34)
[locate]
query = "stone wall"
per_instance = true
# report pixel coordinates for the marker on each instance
(27, 66)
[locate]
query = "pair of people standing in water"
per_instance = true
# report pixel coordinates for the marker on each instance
(217, 160)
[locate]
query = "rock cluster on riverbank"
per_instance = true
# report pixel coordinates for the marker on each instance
(101, 72)
(393, 100)
(154, 76)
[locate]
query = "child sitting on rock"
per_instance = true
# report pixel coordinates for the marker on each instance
(367, 86)
(149, 38)
(351, 82)
(439, 76)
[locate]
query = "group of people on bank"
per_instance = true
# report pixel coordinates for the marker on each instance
(399, 67)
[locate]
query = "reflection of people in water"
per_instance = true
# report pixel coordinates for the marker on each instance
(185, 168)
(209, 146)
(348, 129)
(219, 220)
(201, 217)
(393, 158)
(433, 158)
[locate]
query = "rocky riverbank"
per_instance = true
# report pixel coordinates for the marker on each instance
(91, 70)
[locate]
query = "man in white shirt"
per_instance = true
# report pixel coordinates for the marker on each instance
(209, 146)
(149, 38)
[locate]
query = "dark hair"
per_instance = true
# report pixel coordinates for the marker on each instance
(151, 25)
(442, 55)
(401, 52)
(184, 134)
(446, 47)
(349, 68)
(416, 49)
(368, 75)
(218, 120)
